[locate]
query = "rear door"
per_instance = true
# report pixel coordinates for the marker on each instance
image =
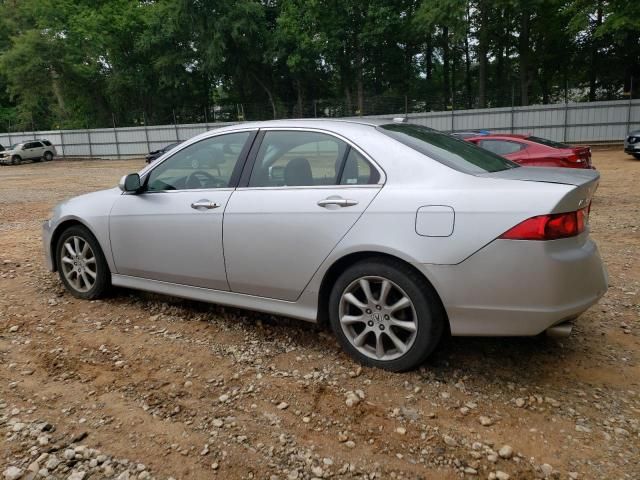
(305, 190)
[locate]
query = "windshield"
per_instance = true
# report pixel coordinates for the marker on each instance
(15, 145)
(548, 143)
(446, 149)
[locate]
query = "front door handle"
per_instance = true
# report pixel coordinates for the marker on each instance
(204, 204)
(338, 201)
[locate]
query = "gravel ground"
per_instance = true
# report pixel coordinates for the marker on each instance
(144, 386)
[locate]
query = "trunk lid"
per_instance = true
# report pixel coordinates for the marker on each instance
(584, 181)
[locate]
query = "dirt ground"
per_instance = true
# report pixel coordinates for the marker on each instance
(144, 386)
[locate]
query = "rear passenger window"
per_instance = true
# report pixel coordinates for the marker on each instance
(296, 158)
(500, 147)
(357, 171)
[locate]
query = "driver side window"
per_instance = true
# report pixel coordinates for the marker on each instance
(208, 163)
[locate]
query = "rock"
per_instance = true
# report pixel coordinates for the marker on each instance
(573, 475)
(52, 463)
(449, 440)
(485, 421)
(350, 444)
(77, 476)
(492, 457)
(520, 402)
(547, 470)
(14, 328)
(217, 422)
(69, 454)
(352, 399)
(12, 473)
(317, 471)
(500, 475)
(401, 430)
(223, 398)
(283, 406)
(470, 471)
(506, 451)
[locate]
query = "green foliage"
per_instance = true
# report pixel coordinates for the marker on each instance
(80, 63)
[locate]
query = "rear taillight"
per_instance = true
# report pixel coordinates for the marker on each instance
(549, 227)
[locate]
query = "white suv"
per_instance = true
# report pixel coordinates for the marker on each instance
(36, 150)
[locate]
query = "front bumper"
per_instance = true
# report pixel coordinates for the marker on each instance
(632, 148)
(47, 231)
(521, 288)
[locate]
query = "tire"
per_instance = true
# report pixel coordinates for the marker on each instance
(48, 156)
(15, 159)
(75, 271)
(637, 155)
(418, 326)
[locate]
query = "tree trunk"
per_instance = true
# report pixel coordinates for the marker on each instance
(483, 39)
(429, 58)
(593, 83)
(57, 91)
(524, 54)
(467, 63)
(269, 95)
(299, 90)
(446, 87)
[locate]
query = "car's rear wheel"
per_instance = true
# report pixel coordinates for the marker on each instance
(637, 155)
(385, 314)
(81, 264)
(48, 156)
(15, 159)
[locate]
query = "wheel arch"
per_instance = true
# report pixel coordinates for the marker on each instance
(60, 228)
(342, 263)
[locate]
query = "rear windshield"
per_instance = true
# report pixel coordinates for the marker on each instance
(446, 149)
(548, 143)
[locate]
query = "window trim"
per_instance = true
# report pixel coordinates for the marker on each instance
(253, 154)
(145, 173)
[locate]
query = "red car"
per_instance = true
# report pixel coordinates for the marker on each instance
(534, 151)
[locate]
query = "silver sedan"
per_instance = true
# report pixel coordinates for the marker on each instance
(391, 233)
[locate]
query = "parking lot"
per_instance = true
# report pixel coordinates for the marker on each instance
(162, 387)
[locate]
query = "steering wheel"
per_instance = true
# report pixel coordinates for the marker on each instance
(202, 179)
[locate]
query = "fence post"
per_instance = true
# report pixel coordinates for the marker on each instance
(315, 109)
(566, 120)
(175, 125)
(453, 112)
(61, 142)
(33, 127)
(630, 105)
(115, 134)
(513, 106)
(146, 133)
(10, 141)
(89, 140)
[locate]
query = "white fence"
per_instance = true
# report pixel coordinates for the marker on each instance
(572, 122)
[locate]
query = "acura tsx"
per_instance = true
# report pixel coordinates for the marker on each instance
(391, 233)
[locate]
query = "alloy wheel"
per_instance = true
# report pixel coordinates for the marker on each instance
(78, 263)
(378, 318)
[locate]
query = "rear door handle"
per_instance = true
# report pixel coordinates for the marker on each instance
(340, 202)
(204, 204)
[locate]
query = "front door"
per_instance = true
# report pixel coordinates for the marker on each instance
(305, 192)
(172, 231)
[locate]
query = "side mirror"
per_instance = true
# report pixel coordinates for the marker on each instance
(130, 183)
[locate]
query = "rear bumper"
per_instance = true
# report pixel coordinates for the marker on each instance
(519, 288)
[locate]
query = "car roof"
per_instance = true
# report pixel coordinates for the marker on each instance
(316, 122)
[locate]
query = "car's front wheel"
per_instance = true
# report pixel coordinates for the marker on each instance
(637, 155)
(16, 159)
(385, 314)
(81, 264)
